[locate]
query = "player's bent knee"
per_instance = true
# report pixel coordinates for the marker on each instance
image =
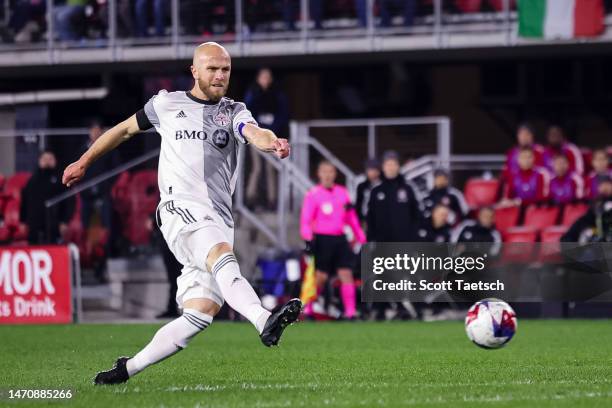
(205, 306)
(216, 252)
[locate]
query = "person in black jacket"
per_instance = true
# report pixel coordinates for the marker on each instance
(596, 224)
(268, 104)
(45, 226)
(443, 193)
(364, 189)
(436, 228)
(481, 231)
(393, 209)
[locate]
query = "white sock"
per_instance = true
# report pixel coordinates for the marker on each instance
(169, 340)
(238, 292)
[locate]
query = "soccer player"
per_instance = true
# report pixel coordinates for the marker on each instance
(524, 138)
(601, 171)
(201, 132)
(558, 144)
(443, 193)
(565, 187)
(529, 185)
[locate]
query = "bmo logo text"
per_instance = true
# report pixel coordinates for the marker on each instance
(35, 285)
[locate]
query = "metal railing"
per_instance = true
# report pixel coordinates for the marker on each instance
(281, 30)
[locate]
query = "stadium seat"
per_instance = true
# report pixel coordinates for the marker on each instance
(480, 192)
(541, 217)
(5, 234)
(553, 233)
(498, 5)
(506, 217)
(120, 193)
(2, 180)
(11, 214)
(144, 191)
(468, 6)
(520, 234)
(519, 244)
(572, 212)
(15, 184)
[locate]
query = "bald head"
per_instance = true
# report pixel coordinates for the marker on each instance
(211, 70)
(209, 49)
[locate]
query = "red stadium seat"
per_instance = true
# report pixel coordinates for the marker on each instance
(506, 217)
(5, 234)
(480, 192)
(541, 217)
(15, 184)
(468, 6)
(498, 5)
(144, 191)
(553, 234)
(11, 213)
(572, 212)
(520, 234)
(2, 180)
(121, 193)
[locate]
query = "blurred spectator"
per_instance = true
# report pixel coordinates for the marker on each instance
(372, 171)
(141, 9)
(557, 144)
(596, 224)
(406, 8)
(529, 185)
(443, 193)
(291, 11)
(70, 20)
(393, 210)
(125, 23)
(525, 137)
(326, 211)
(565, 187)
(268, 104)
(45, 226)
(436, 228)
(26, 19)
(601, 170)
(97, 197)
(482, 230)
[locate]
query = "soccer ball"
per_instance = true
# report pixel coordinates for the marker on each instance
(490, 323)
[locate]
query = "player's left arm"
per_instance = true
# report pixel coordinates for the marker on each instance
(265, 140)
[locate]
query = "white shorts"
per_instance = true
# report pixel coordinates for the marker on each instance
(191, 231)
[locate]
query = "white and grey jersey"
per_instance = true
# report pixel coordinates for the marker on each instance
(200, 145)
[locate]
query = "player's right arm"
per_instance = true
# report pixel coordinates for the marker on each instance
(104, 144)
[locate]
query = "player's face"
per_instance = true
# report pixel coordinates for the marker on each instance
(373, 174)
(391, 168)
(560, 166)
(439, 216)
(326, 174)
(441, 181)
(486, 217)
(600, 161)
(555, 136)
(524, 137)
(212, 75)
(47, 161)
(525, 160)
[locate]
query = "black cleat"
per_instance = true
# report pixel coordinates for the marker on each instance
(116, 375)
(277, 322)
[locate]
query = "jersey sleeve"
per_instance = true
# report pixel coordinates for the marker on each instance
(147, 117)
(241, 117)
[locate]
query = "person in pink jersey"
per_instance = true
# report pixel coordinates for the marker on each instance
(326, 210)
(601, 170)
(525, 137)
(558, 144)
(564, 187)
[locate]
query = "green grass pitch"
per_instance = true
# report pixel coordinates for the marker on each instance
(548, 364)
